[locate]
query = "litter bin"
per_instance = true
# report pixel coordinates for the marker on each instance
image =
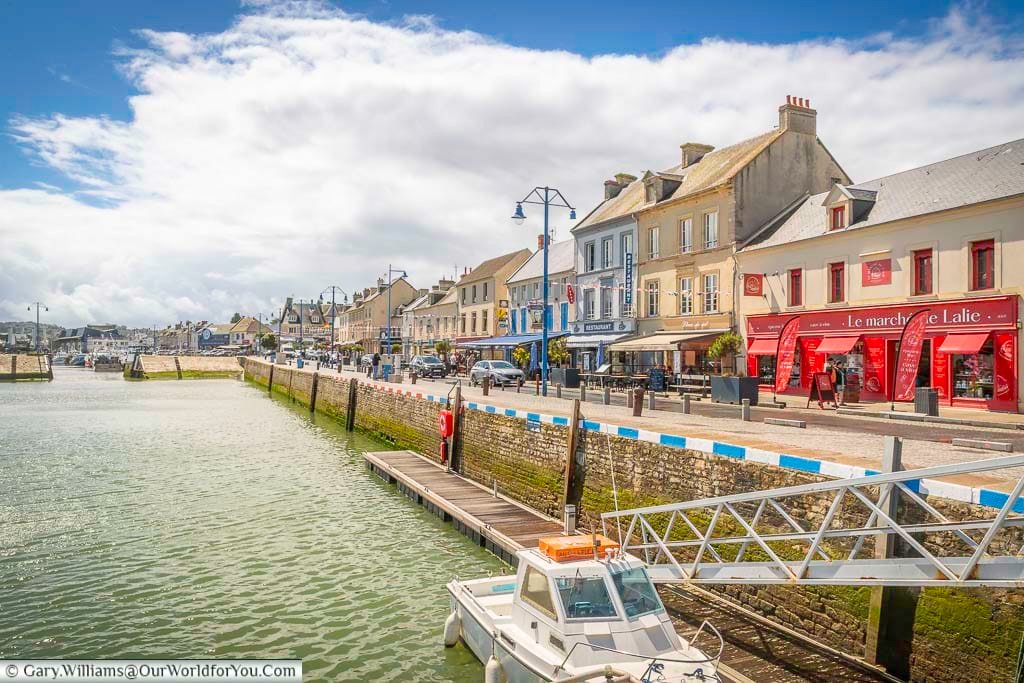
(926, 401)
(299, 362)
(386, 369)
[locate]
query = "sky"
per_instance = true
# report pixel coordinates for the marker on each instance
(183, 161)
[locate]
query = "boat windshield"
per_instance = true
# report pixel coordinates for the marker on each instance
(585, 597)
(637, 592)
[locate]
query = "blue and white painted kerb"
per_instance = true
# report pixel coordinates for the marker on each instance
(930, 487)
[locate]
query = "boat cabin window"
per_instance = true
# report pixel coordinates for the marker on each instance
(637, 592)
(585, 597)
(537, 592)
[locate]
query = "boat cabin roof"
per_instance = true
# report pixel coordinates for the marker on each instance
(600, 567)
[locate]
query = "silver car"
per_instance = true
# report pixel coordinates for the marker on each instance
(500, 372)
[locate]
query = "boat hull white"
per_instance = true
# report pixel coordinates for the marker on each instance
(479, 641)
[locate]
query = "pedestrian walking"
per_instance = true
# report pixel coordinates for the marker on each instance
(375, 366)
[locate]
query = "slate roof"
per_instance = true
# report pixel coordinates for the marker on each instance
(985, 175)
(630, 199)
(489, 267)
(561, 258)
(719, 166)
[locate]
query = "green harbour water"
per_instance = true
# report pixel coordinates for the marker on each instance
(204, 519)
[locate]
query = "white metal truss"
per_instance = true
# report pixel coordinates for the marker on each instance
(797, 535)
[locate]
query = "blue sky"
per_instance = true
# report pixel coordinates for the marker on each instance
(282, 146)
(58, 56)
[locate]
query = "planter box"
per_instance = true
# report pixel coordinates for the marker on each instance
(733, 389)
(567, 377)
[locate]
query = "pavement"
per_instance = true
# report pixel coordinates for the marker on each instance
(846, 439)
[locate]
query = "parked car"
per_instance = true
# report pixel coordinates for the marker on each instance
(428, 366)
(500, 372)
(366, 361)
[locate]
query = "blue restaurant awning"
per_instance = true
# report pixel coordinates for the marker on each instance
(509, 340)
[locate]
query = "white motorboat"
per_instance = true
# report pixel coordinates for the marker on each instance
(576, 610)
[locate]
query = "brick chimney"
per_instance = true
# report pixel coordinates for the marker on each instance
(796, 115)
(693, 152)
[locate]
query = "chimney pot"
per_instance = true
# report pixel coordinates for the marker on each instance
(540, 241)
(789, 99)
(807, 104)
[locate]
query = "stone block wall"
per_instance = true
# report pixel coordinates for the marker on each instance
(959, 635)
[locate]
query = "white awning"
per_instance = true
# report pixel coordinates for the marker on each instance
(662, 341)
(590, 341)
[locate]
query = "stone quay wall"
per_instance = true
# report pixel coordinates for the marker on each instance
(958, 635)
(14, 366)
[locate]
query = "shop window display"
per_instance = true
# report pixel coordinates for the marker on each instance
(973, 373)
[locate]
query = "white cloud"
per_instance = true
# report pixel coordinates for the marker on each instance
(304, 147)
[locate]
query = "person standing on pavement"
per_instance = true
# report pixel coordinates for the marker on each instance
(840, 382)
(375, 365)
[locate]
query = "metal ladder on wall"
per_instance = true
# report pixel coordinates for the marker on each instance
(812, 534)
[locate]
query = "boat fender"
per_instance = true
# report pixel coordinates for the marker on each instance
(493, 672)
(452, 626)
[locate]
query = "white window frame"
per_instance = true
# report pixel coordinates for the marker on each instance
(686, 295)
(710, 231)
(710, 296)
(652, 298)
(589, 256)
(625, 248)
(686, 235)
(607, 252)
(606, 298)
(654, 242)
(589, 305)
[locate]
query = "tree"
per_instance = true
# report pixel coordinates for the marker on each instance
(268, 342)
(235, 318)
(443, 348)
(725, 346)
(521, 355)
(558, 352)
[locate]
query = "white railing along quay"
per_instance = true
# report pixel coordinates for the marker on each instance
(806, 535)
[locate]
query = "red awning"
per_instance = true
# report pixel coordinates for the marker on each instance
(963, 344)
(763, 347)
(837, 345)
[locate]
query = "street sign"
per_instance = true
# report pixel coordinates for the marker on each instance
(627, 295)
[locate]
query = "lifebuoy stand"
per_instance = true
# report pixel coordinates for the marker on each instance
(445, 427)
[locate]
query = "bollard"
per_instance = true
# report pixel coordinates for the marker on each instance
(519, 384)
(486, 384)
(412, 377)
(638, 401)
(570, 520)
(583, 393)
(686, 404)
(536, 388)
(650, 400)
(558, 391)
(629, 398)
(745, 410)
(494, 487)
(607, 398)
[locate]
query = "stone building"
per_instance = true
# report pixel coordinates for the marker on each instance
(526, 285)
(690, 220)
(435, 319)
(367, 320)
(482, 293)
(606, 270)
(853, 262)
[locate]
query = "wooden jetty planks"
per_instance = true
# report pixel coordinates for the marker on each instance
(495, 521)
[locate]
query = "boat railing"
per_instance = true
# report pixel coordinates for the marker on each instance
(714, 660)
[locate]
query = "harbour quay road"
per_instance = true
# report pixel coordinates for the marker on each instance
(849, 440)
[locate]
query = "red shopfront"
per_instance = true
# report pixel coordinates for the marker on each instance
(969, 354)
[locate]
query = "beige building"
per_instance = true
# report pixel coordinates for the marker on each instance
(366, 321)
(855, 262)
(436, 319)
(692, 217)
(482, 293)
(526, 284)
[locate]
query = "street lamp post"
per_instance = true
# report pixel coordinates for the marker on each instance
(391, 272)
(37, 305)
(333, 289)
(547, 197)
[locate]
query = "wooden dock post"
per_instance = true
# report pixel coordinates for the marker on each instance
(350, 409)
(270, 380)
(454, 452)
(177, 366)
(312, 392)
(570, 452)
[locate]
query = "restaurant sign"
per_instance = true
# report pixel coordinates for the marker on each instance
(964, 314)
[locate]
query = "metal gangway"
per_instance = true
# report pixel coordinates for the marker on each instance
(815, 534)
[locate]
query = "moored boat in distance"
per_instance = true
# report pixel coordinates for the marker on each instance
(102, 362)
(576, 610)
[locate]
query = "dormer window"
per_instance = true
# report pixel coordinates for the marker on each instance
(650, 192)
(837, 218)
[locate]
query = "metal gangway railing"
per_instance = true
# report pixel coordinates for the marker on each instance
(815, 534)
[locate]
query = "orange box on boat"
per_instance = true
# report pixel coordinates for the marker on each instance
(580, 547)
